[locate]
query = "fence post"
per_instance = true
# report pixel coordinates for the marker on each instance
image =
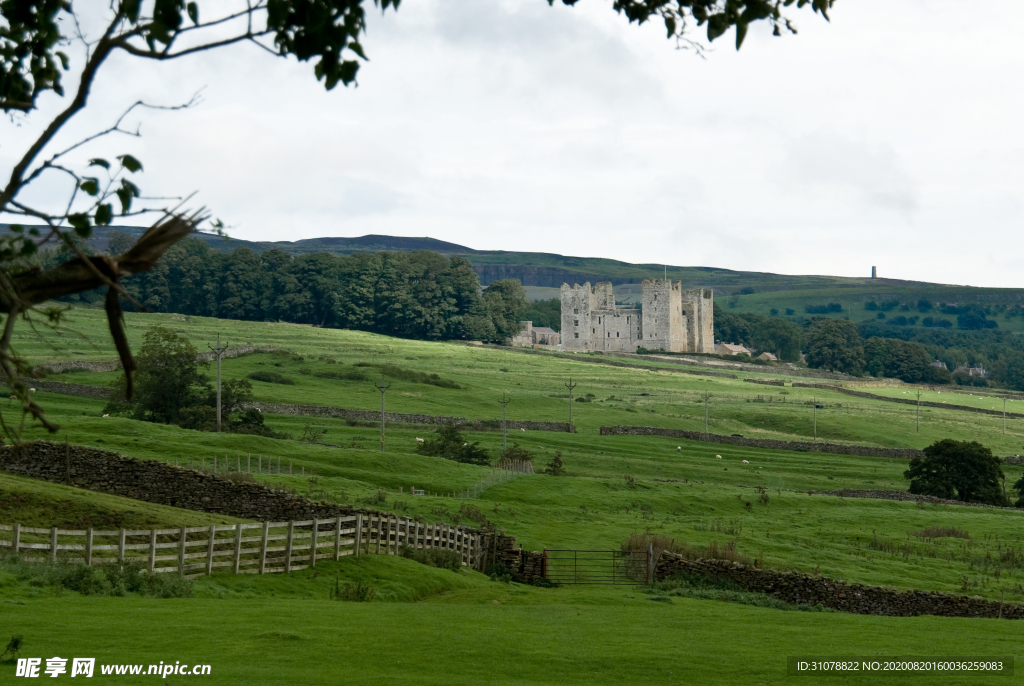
(16, 539)
(120, 546)
(248, 463)
(53, 543)
(416, 537)
(650, 563)
(152, 550)
(288, 547)
(181, 551)
(88, 545)
(263, 542)
(379, 518)
(238, 548)
(312, 552)
(209, 546)
(359, 533)
(337, 539)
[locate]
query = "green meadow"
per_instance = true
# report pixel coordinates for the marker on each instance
(429, 625)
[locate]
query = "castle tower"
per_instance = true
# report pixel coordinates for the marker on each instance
(577, 303)
(699, 308)
(664, 326)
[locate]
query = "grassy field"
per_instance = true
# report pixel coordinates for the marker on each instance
(432, 626)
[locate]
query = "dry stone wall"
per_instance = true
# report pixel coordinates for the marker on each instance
(768, 443)
(797, 588)
(158, 482)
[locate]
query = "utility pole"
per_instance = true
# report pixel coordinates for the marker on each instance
(919, 412)
(505, 400)
(815, 401)
(706, 396)
(570, 386)
(383, 388)
(218, 352)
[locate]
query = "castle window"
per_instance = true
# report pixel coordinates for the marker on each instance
(598, 320)
(575, 335)
(576, 311)
(655, 296)
(575, 322)
(609, 334)
(593, 331)
(616, 334)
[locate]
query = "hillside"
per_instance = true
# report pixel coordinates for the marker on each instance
(760, 292)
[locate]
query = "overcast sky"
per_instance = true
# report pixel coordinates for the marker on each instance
(891, 136)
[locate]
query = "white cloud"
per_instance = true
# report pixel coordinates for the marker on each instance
(889, 136)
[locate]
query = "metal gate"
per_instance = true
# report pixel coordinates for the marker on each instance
(607, 567)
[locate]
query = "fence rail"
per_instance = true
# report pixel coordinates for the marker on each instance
(257, 548)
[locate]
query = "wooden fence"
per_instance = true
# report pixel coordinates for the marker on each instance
(258, 548)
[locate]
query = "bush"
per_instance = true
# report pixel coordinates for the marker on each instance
(342, 375)
(354, 591)
(251, 422)
(556, 467)
(516, 452)
(450, 444)
(402, 374)
(271, 377)
(433, 557)
(103, 580)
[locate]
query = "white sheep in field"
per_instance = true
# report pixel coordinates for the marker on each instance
(106, 415)
(679, 447)
(745, 462)
(523, 430)
(718, 457)
(419, 440)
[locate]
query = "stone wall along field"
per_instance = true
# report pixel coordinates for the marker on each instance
(768, 443)
(797, 588)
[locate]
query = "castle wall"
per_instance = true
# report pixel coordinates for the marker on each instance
(616, 329)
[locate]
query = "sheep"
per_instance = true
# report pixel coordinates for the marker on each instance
(679, 447)
(106, 415)
(420, 440)
(745, 462)
(718, 457)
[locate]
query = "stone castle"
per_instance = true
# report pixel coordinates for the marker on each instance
(671, 319)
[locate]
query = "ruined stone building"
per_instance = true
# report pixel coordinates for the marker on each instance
(671, 319)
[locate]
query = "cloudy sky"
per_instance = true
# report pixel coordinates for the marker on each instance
(891, 136)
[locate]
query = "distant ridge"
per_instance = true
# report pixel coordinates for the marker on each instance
(788, 294)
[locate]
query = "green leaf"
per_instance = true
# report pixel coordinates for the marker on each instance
(90, 185)
(99, 162)
(104, 213)
(63, 60)
(33, 231)
(28, 248)
(130, 9)
(358, 49)
(193, 12)
(125, 193)
(670, 25)
(130, 163)
(741, 33)
(17, 228)
(81, 224)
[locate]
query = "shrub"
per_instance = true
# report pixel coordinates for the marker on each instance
(402, 374)
(353, 591)
(105, 580)
(958, 470)
(940, 532)
(342, 375)
(556, 467)
(450, 444)
(516, 452)
(441, 558)
(271, 377)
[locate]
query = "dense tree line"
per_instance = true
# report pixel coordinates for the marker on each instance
(906, 353)
(418, 294)
(780, 337)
